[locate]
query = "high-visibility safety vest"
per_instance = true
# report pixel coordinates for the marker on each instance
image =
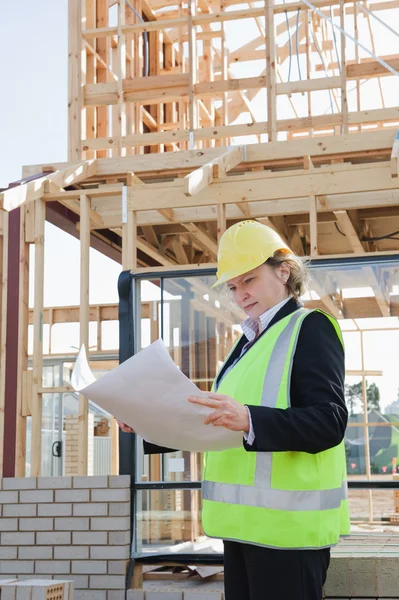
(275, 499)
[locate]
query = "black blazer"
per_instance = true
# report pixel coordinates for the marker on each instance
(318, 416)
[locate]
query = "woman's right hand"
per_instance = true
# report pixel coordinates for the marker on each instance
(125, 428)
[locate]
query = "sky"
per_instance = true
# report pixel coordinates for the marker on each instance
(33, 127)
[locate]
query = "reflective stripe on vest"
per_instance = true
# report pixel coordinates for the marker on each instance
(261, 493)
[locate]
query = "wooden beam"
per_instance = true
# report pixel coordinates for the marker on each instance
(198, 180)
(314, 248)
(337, 179)
(349, 230)
(202, 238)
(33, 190)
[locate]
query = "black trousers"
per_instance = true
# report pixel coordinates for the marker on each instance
(256, 573)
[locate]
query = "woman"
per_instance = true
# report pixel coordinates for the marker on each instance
(279, 502)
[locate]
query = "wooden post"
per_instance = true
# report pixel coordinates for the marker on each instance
(75, 99)
(129, 232)
(84, 325)
(271, 72)
(91, 60)
(37, 361)
(344, 98)
(22, 365)
(103, 46)
(357, 57)
(121, 122)
(3, 331)
(192, 59)
(138, 72)
(221, 220)
(313, 225)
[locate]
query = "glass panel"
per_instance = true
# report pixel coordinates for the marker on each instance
(170, 520)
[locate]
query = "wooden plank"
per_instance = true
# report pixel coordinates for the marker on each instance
(349, 230)
(371, 69)
(84, 327)
(91, 59)
(37, 359)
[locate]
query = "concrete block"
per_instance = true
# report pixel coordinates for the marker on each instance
(90, 509)
(119, 509)
(164, 595)
(72, 524)
(89, 567)
(19, 483)
(363, 575)
(110, 495)
(8, 524)
(338, 579)
(16, 566)
(80, 582)
(35, 552)
(135, 595)
(110, 523)
(119, 538)
(55, 538)
(71, 552)
(107, 582)
(17, 539)
(110, 552)
(117, 567)
(202, 596)
(19, 510)
(119, 481)
(54, 510)
(72, 495)
(90, 595)
(8, 553)
(116, 595)
(387, 576)
(91, 538)
(52, 566)
(36, 524)
(8, 497)
(33, 496)
(54, 483)
(98, 481)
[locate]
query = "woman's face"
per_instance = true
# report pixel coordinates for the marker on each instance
(260, 289)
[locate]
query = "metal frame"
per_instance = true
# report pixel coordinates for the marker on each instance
(128, 311)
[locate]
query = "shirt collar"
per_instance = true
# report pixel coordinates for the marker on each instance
(250, 326)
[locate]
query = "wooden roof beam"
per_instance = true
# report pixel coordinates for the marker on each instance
(199, 179)
(33, 190)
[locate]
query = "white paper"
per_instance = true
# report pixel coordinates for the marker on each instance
(149, 393)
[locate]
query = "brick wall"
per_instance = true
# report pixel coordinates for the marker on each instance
(71, 528)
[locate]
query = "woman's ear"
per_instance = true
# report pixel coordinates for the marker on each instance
(284, 272)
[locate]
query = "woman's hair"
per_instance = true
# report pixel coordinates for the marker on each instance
(298, 279)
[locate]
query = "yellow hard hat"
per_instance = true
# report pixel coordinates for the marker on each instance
(245, 246)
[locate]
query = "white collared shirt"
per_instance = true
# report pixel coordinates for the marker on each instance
(252, 328)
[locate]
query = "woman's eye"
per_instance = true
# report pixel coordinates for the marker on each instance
(249, 280)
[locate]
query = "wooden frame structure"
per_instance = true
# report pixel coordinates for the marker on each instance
(159, 160)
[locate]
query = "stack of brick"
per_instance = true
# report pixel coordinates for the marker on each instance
(40, 589)
(74, 527)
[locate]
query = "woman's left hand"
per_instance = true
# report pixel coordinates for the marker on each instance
(228, 412)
